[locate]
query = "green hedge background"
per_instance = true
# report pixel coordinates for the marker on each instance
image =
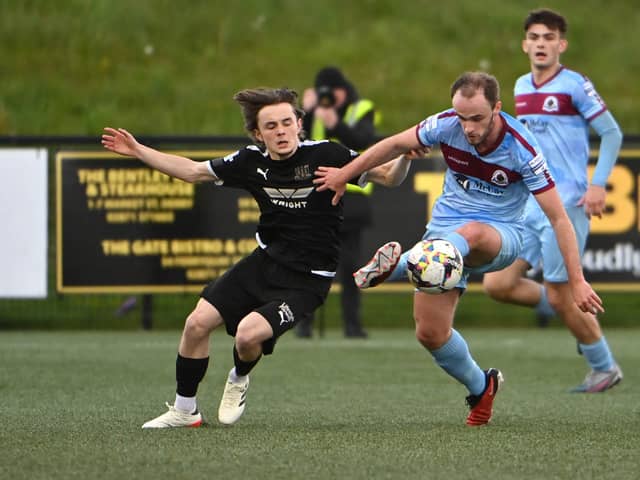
(171, 67)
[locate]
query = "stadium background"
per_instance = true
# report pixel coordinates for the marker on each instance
(73, 401)
(167, 69)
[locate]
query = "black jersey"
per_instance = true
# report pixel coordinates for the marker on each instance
(298, 225)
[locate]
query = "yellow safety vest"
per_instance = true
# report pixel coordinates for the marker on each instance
(354, 113)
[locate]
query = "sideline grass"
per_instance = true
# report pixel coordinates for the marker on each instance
(73, 402)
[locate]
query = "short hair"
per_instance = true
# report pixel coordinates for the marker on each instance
(549, 18)
(470, 82)
(253, 100)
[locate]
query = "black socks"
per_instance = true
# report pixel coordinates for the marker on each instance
(189, 373)
(243, 368)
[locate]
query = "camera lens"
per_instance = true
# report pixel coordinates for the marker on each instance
(325, 96)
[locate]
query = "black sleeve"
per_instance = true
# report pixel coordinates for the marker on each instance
(231, 170)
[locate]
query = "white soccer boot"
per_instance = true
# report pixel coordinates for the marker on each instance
(379, 267)
(175, 418)
(596, 382)
(233, 401)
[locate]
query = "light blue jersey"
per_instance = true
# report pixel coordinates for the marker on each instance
(558, 113)
(490, 187)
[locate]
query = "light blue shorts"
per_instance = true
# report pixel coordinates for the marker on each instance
(511, 235)
(540, 245)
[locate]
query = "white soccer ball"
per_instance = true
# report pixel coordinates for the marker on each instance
(434, 266)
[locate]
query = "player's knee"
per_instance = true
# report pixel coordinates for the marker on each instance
(497, 290)
(490, 287)
(497, 287)
(247, 338)
(243, 340)
(559, 302)
(563, 304)
(247, 345)
(197, 325)
(473, 233)
(430, 337)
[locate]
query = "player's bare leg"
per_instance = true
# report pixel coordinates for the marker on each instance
(194, 342)
(585, 327)
(191, 365)
(253, 330)
(510, 285)
(434, 320)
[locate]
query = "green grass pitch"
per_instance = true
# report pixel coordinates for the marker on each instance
(72, 405)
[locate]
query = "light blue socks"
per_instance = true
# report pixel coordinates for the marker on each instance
(455, 359)
(543, 307)
(598, 355)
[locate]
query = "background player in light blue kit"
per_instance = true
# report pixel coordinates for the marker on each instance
(493, 165)
(558, 106)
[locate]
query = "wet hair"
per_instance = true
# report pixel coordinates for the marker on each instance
(549, 18)
(470, 82)
(253, 100)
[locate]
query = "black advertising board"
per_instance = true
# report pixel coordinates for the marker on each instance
(124, 228)
(611, 260)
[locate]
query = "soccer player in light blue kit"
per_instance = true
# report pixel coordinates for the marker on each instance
(558, 106)
(493, 164)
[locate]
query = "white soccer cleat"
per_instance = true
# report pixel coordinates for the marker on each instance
(233, 401)
(379, 267)
(596, 382)
(175, 418)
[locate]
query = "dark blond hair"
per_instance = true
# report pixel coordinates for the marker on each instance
(470, 82)
(253, 100)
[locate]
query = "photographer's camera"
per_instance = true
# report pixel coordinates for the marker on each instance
(326, 98)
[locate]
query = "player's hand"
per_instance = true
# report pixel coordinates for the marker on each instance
(331, 178)
(309, 99)
(417, 153)
(594, 201)
(120, 141)
(587, 300)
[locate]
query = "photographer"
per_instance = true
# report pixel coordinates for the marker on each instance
(334, 111)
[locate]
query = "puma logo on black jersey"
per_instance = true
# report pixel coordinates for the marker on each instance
(263, 172)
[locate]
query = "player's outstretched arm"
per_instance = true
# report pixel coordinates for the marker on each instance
(122, 142)
(393, 173)
(584, 296)
(382, 152)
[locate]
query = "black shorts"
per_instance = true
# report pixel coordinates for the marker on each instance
(258, 284)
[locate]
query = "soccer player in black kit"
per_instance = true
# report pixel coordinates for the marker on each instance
(289, 274)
